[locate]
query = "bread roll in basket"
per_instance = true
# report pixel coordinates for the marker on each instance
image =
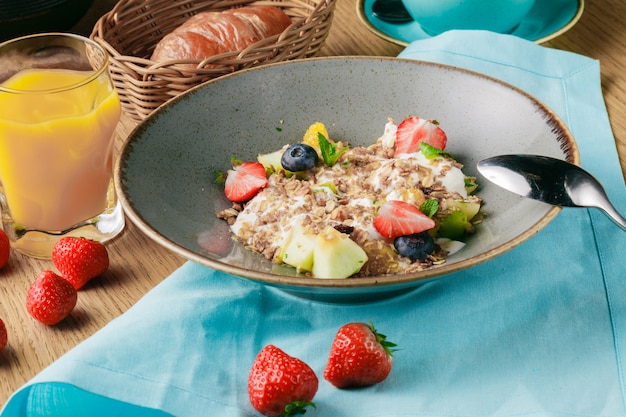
(133, 28)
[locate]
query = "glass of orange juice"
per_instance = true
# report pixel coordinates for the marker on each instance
(59, 111)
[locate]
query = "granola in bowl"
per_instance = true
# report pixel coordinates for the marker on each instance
(400, 205)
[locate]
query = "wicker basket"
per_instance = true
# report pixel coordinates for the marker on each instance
(131, 30)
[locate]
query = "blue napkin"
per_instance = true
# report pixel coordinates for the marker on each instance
(538, 331)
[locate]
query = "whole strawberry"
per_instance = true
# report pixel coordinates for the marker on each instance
(279, 384)
(79, 259)
(359, 356)
(3, 335)
(50, 298)
(5, 248)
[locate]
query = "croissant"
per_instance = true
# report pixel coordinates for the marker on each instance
(212, 33)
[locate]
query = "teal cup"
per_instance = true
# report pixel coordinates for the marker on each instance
(438, 16)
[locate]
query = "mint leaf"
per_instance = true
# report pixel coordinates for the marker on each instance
(234, 161)
(470, 184)
(329, 150)
(429, 207)
(430, 152)
(221, 176)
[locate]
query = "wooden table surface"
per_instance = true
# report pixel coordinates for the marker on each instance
(138, 264)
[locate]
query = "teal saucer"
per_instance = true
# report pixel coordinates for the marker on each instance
(546, 20)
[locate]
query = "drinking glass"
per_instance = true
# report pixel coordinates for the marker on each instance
(57, 123)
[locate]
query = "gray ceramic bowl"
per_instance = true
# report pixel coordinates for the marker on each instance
(165, 173)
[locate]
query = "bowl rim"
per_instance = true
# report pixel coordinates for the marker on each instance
(567, 144)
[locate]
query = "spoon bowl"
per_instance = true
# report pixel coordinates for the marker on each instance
(550, 180)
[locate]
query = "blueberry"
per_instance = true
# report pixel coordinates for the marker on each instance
(299, 157)
(415, 246)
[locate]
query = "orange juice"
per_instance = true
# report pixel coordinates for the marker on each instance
(56, 146)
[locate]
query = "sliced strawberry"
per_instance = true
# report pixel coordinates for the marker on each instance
(244, 181)
(398, 218)
(413, 130)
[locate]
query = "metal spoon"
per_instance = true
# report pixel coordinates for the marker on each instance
(392, 11)
(550, 180)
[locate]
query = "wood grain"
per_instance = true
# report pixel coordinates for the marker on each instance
(138, 264)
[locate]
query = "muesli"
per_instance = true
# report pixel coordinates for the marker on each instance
(329, 210)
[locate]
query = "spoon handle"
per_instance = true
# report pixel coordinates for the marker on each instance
(586, 191)
(610, 211)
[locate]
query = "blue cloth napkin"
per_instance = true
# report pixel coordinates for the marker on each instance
(538, 331)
